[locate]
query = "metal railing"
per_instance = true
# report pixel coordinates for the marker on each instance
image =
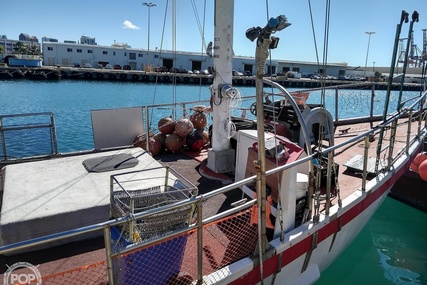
(19, 129)
(418, 106)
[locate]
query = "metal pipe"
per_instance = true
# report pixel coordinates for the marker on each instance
(200, 241)
(108, 253)
(365, 163)
(328, 182)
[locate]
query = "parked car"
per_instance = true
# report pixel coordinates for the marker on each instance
(174, 70)
(117, 66)
(99, 65)
(205, 72)
(247, 73)
(237, 73)
(161, 69)
(77, 65)
(127, 67)
(108, 66)
(88, 65)
(196, 71)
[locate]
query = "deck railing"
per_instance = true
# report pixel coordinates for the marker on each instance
(203, 228)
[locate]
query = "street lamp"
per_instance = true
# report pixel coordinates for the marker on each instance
(367, 51)
(149, 5)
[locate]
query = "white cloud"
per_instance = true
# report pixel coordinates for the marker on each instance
(128, 25)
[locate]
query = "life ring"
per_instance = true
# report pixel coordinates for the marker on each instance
(240, 81)
(177, 79)
(135, 77)
(88, 75)
(99, 75)
(112, 76)
(204, 79)
(123, 76)
(166, 78)
(145, 77)
(186, 79)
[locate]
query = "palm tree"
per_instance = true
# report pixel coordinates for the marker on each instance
(21, 48)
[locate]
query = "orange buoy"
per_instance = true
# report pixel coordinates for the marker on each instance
(195, 141)
(184, 127)
(160, 138)
(199, 120)
(166, 125)
(154, 147)
(422, 156)
(422, 170)
(205, 136)
(173, 143)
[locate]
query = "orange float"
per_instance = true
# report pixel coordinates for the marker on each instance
(154, 147)
(173, 143)
(422, 156)
(422, 170)
(184, 127)
(199, 120)
(195, 141)
(166, 125)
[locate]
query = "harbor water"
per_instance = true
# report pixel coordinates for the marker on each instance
(392, 248)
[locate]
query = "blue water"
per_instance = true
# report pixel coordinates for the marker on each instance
(392, 248)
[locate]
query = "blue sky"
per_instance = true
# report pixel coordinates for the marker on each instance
(126, 21)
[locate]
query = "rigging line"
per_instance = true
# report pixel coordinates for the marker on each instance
(325, 47)
(160, 56)
(314, 34)
(199, 25)
(174, 50)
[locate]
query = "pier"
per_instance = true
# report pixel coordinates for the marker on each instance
(102, 74)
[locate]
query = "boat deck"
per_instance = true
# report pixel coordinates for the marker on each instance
(79, 254)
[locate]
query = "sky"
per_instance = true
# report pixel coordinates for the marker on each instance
(126, 21)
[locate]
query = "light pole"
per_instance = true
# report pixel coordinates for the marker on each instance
(367, 51)
(149, 5)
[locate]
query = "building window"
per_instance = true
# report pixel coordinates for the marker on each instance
(104, 52)
(50, 48)
(79, 50)
(69, 50)
(132, 56)
(114, 53)
(89, 51)
(285, 69)
(140, 55)
(156, 56)
(296, 69)
(126, 54)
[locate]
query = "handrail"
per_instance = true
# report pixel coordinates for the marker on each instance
(200, 199)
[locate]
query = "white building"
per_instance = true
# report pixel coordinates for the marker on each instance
(69, 54)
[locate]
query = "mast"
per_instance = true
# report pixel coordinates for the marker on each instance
(221, 156)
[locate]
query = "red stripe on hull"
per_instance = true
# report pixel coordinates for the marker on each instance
(301, 248)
